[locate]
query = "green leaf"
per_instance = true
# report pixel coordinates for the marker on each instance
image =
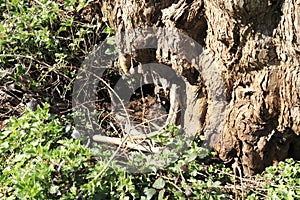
(149, 192)
(108, 30)
(54, 189)
(20, 157)
(161, 195)
(4, 146)
(111, 40)
(159, 184)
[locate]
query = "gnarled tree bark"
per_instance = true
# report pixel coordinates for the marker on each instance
(256, 46)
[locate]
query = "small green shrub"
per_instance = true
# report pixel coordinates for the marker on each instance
(54, 36)
(39, 160)
(283, 181)
(42, 45)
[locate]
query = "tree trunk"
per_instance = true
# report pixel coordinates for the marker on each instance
(256, 48)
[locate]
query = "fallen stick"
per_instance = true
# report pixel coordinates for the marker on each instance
(131, 145)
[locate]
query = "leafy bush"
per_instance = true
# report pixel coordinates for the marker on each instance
(42, 44)
(53, 36)
(283, 181)
(39, 160)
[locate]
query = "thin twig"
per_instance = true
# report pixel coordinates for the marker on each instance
(36, 1)
(22, 56)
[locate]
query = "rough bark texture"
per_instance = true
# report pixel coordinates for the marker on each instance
(256, 46)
